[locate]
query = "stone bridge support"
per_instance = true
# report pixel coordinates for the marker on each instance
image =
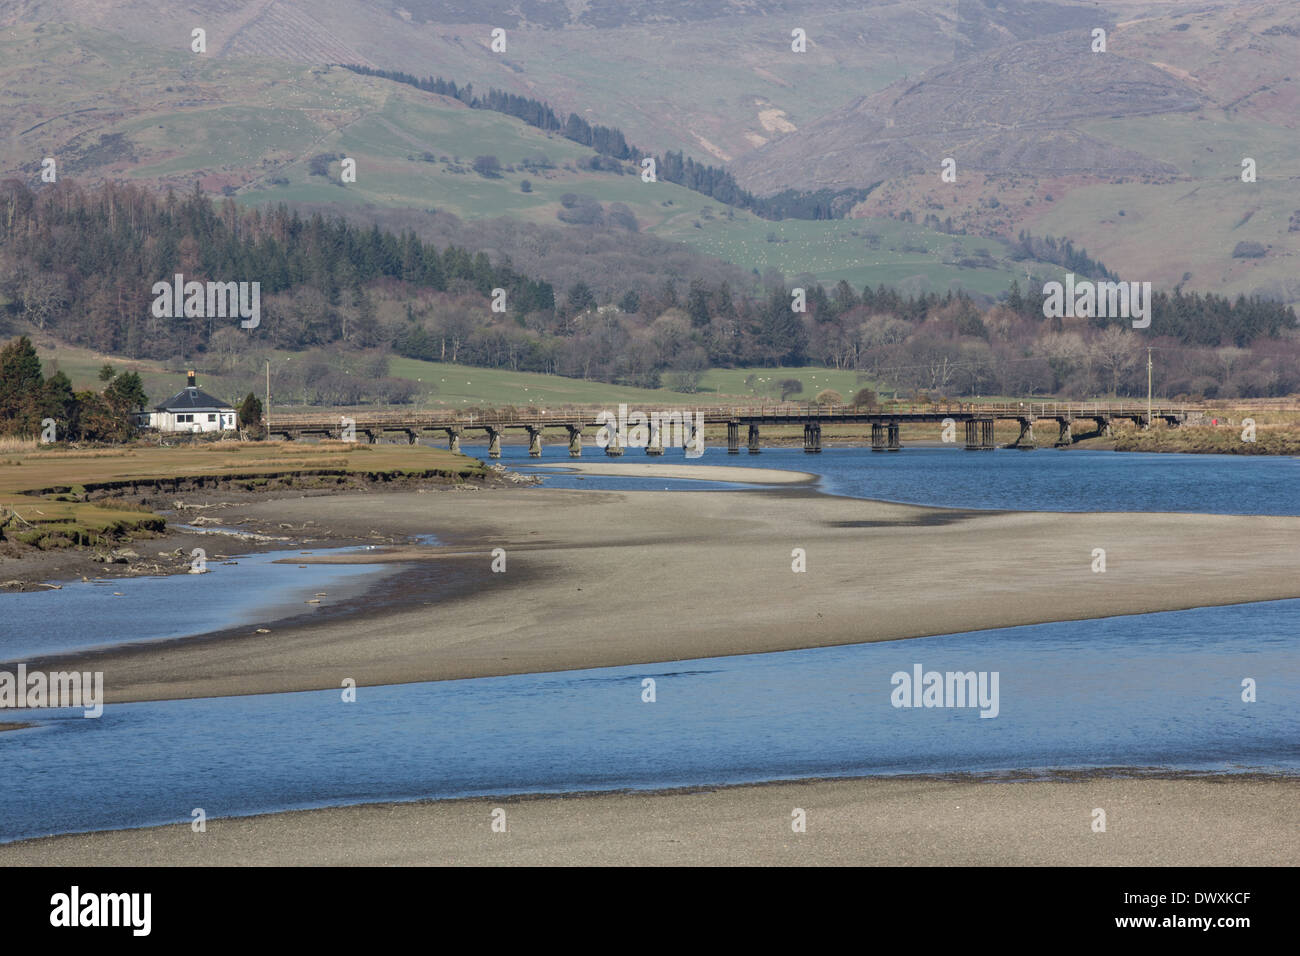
(453, 439)
(733, 438)
(894, 444)
(656, 444)
(753, 440)
(1065, 435)
(575, 440)
(494, 441)
(812, 438)
(534, 441)
(877, 436)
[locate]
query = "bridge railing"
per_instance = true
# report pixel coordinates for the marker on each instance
(585, 414)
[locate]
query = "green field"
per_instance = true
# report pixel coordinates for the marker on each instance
(1209, 212)
(463, 385)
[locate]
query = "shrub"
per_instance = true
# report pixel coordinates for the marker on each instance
(864, 398)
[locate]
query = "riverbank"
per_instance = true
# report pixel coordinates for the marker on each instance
(69, 512)
(922, 821)
(601, 578)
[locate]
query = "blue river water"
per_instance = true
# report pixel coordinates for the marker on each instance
(88, 614)
(1156, 690)
(1161, 691)
(1041, 480)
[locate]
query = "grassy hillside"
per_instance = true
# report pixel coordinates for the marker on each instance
(712, 77)
(250, 127)
(451, 386)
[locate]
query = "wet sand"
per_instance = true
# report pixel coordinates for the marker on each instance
(874, 821)
(597, 578)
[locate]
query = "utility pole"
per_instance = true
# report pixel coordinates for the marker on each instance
(1148, 386)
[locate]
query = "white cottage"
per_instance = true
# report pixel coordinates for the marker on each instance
(190, 410)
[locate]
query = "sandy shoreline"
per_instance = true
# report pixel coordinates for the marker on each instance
(600, 578)
(925, 821)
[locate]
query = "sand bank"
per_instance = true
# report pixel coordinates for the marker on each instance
(898, 821)
(598, 578)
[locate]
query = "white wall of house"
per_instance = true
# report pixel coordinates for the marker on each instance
(195, 421)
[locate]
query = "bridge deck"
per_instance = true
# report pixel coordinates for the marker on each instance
(591, 417)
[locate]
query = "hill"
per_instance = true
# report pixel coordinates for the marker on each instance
(264, 131)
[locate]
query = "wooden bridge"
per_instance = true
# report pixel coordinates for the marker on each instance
(682, 426)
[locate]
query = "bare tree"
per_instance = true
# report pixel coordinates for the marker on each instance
(1116, 352)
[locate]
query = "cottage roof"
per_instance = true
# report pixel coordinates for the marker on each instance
(192, 399)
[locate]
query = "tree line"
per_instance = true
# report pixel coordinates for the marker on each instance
(81, 263)
(32, 405)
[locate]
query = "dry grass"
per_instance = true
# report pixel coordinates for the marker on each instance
(63, 515)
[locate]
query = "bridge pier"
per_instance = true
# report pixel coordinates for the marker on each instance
(534, 441)
(980, 435)
(753, 440)
(494, 442)
(892, 433)
(453, 439)
(613, 449)
(1065, 435)
(1025, 439)
(812, 438)
(877, 436)
(656, 443)
(575, 440)
(733, 438)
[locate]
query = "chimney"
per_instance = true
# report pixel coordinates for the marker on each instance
(189, 378)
